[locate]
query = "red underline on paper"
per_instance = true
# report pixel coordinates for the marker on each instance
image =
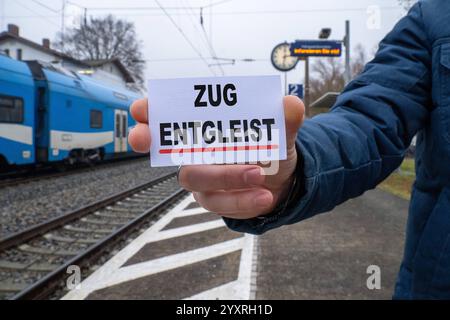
(219, 149)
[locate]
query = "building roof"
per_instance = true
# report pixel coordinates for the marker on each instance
(8, 35)
(116, 61)
(85, 63)
(326, 101)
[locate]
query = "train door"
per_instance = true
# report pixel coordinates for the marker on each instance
(124, 131)
(120, 131)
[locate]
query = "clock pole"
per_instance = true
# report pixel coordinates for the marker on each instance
(348, 73)
(307, 87)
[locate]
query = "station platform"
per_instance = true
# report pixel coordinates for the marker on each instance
(190, 254)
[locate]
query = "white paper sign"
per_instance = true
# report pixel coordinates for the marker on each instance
(221, 120)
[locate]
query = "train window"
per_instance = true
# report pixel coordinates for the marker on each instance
(96, 119)
(11, 109)
(7, 52)
(118, 126)
(124, 126)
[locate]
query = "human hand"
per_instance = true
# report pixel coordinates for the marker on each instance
(233, 191)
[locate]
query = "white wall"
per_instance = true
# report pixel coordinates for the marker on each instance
(28, 53)
(110, 74)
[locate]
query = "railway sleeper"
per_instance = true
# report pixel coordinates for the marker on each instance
(43, 267)
(84, 230)
(8, 265)
(54, 237)
(135, 208)
(12, 287)
(102, 222)
(134, 200)
(63, 253)
(116, 215)
(122, 206)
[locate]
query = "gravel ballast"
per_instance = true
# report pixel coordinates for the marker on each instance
(28, 204)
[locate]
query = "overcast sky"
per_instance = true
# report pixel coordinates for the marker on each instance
(237, 28)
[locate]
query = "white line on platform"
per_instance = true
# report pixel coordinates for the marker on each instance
(106, 279)
(241, 289)
(179, 232)
(172, 262)
(192, 212)
(112, 272)
(224, 292)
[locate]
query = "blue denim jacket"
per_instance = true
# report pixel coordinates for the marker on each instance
(404, 91)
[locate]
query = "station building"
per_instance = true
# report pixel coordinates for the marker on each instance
(110, 71)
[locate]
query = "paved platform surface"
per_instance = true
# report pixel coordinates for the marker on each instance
(190, 254)
(327, 256)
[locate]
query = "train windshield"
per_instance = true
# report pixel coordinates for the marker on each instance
(11, 109)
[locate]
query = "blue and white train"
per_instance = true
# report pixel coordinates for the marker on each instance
(48, 115)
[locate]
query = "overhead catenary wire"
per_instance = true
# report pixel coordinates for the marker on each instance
(191, 14)
(2, 15)
(209, 41)
(194, 24)
(36, 13)
(185, 37)
(188, 10)
(45, 6)
(234, 60)
(217, 13)
(181, 8)
(204, 36)
(213, 4)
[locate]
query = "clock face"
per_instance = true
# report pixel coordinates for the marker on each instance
(282, 59)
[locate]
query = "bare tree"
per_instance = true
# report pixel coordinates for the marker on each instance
(328, 76)
(359, 60)
(103, 39)
(328, 73)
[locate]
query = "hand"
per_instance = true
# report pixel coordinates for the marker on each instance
(233, 191)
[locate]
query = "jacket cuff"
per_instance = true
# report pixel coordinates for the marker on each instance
(264, 223)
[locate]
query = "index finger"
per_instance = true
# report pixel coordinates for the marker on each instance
(203, 178)
(139, 110)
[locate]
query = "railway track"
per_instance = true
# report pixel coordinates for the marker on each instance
(34, 262)
(45, 173)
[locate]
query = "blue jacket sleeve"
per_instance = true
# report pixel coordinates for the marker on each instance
(363, 139)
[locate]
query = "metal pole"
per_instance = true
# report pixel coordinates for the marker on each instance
(2, 15)
(348, 75)
(307, 88)
(210, 22)
(286, 91)
(63, 21)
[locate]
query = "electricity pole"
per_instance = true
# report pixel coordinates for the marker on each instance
(286, 89)
(307, 87)
(2, 15)
(348, 74)
(63, 21)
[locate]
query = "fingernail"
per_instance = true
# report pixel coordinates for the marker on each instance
(263, 200)
(254, 177)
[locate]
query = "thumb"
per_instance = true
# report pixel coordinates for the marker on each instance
(294, 113)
